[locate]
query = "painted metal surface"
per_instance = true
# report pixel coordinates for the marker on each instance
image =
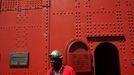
(39, 26)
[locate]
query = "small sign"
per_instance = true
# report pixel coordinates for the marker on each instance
(81, 62)
(19, 59)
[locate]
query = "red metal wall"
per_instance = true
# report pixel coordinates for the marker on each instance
(24, 27)
(39, 26)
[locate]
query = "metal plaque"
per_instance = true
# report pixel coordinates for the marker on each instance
(19, 59)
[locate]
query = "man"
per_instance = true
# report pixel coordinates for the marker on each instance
(57, 67)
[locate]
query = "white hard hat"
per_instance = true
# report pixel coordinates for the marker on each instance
(55, 54)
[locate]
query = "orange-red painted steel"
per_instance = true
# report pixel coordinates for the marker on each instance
(96, 37)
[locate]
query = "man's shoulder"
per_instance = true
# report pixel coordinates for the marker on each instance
(68, 70)
(50, 68)
(49, 71)
(68, 67)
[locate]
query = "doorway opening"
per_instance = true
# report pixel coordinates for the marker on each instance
(107, 59)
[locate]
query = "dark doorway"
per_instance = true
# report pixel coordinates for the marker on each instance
(106, 59)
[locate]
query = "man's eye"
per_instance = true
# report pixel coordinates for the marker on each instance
(52, 59)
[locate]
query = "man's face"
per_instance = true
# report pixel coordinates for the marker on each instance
(53, 61)
(56, 62)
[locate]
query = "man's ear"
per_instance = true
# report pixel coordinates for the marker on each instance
(61, 57)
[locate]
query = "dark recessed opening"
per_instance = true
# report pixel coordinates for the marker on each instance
(106, 59)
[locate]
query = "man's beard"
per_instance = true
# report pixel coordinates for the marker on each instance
(57, 65)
